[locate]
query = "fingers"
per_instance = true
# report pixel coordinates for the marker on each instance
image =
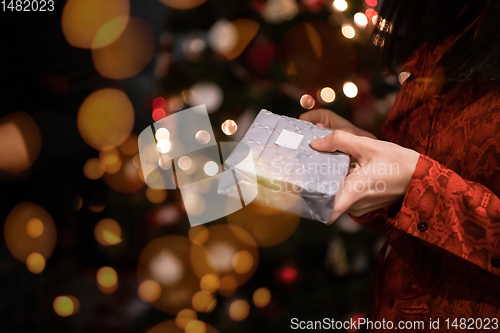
(345, 198)
(317, 116)
(342, 141)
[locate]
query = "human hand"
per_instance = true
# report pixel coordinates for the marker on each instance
(379, 178)
(331, 120)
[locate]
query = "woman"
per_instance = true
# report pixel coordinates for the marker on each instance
(440, 206)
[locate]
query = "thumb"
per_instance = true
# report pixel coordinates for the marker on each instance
(342, 141)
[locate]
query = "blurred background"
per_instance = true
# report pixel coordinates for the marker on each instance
(87, 246)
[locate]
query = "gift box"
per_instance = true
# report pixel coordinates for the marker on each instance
(284, 171)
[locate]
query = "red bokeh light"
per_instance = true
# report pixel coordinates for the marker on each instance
(370, 13)
(288, 274)
(158, 114)
(355, 320)
(372, 3)
(159, 103)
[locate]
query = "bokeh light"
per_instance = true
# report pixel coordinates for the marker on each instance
(217, 256)
(208, 93)
(192, 326)
(159, 103)
(66, 306)
(129, 54)
(340, 5)
(162, 134)
(307, 101)
(242, 262)
(108, 232)
(198, 234)
(149, 291)
(202, 137)
(268, 226)
(110, 158)
(184, 163)
(210, 283)
(156, 195)
(22, 223)
(184, 317)
(360, 19)
(371, 3)
(93, 168)
(165, 260)
(261, 297)
(126, 175)
(327, 94)
(34, 227)
(227, 285)
(163, 146)
(196, 326)
(107, 280)
(203, 301)
(232, 38)
(348, 31)
(183, 4)
(370, 13)
(350, 89)
(314, 54)
(229, 127)
(35, 263)
(105, 118)
(158, 114)
(94, 23)
(288, 274)
(239, 310)
(130, 146)
(211, 168)
(20, 142)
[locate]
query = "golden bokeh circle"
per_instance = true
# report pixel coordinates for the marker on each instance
(94, 23)
(105, 118)
(66, 306)
(166, 261)
(261, 297)
(183, 4)
(267, 225)
(108, 232)
(217, 255)
(149, 291)
(239, 310)
(129, 54)
(19, 242)
(20, 142)
(170, 326)
(35, 263)
(184, 317)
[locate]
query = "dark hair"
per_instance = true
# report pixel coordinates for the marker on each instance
(475, 57)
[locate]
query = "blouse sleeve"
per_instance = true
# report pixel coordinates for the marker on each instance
(457, 215)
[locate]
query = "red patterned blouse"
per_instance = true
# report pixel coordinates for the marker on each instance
(443, 255)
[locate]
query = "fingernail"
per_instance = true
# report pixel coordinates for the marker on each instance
(317, 142)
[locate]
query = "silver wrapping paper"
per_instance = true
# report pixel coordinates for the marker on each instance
(287, 172)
